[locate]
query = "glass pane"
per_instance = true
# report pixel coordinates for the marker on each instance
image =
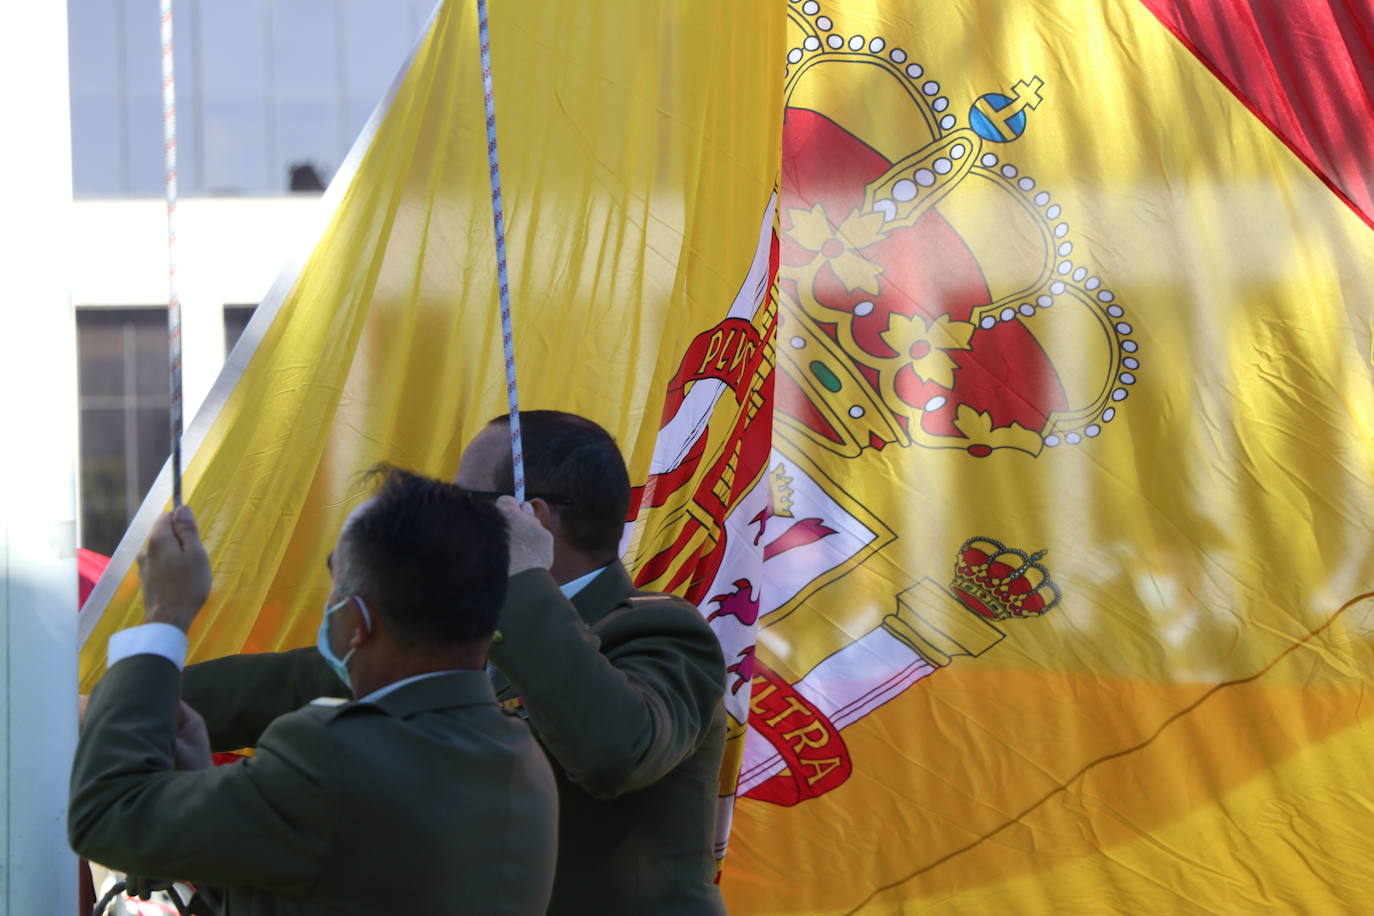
(122, 373)
(262, 85)
(306, 89)
(358, 113)
(307, 134)
(305, 54)
(154, 447)
(233, 49)
(152, 385)
(116, 471)
(147, 170)
(235, 146)
(93, 43)
(104, 508)
(233, 70)
(420, 11)
(100, 349)
(236, 318)
(377, 37)
(190, 125)
(143, 96)
(96, 147)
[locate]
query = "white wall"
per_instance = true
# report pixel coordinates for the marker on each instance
(37, 467)
(229, 251)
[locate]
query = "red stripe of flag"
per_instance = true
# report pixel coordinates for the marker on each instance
(1303, 67)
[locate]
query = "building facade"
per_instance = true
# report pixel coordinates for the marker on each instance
(270, 97)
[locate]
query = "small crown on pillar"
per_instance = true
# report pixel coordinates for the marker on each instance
(780, 493)
(1000, 582)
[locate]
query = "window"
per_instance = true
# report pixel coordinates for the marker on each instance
(231, 104)
(236, 318)
(264, 88)
(124, 405)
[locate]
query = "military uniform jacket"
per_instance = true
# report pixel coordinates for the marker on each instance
(427, 800)
(622, 688)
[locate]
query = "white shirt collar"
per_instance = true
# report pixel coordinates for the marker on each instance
(572, 588)
(395, 685)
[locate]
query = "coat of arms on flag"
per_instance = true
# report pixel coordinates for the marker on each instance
(1019, 388)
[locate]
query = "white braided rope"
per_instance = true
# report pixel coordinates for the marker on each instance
(169, 154)
(503, 283)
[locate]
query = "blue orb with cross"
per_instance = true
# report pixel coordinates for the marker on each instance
(1002, 118)
(996, 130)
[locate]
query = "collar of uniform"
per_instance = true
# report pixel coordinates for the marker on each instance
(569, 589)
(603, 594)
(469, 687)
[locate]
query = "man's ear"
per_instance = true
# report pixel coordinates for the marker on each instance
(544, 513)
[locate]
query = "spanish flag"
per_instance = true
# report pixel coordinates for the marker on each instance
(995, 377)
(1075, 386)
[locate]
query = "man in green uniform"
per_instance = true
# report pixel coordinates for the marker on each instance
(418, 796)
(623, 688)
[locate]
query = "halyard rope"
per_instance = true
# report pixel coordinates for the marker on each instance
(503, 284)
(169, 156)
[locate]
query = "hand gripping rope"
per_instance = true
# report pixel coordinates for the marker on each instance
(503, 283)
(143, 888)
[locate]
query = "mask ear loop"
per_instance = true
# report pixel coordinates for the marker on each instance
(367, 618)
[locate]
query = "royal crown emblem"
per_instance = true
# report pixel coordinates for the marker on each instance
(933, 294)
(1000, 582)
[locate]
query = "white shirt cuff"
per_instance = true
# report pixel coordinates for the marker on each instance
(149, 639)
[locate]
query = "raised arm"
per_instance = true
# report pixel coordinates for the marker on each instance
(266, 823)
(618, 709)
(240, 695)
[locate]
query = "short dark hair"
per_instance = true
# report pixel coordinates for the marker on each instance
(432, 559)
(572, 457)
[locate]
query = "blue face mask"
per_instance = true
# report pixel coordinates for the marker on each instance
(339, 665)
